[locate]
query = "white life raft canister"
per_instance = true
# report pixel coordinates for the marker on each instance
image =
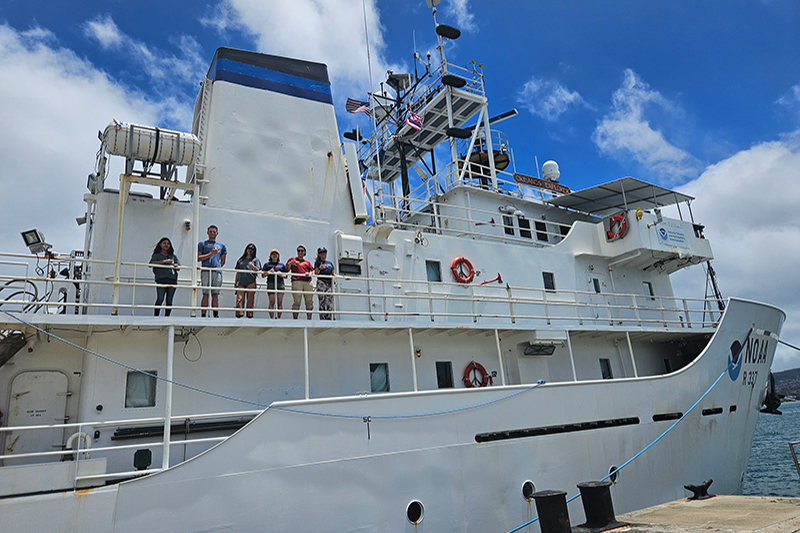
(151, 144)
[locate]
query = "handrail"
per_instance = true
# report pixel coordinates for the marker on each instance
(431, 301)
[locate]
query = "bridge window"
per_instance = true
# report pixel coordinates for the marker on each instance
(525, 228)
(508, 225)
(140, 389)
(379, 377)
(541, 231)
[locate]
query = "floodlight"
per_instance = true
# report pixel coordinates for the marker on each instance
(34, 240)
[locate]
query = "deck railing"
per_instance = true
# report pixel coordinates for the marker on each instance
(79, 447)
(383, 298)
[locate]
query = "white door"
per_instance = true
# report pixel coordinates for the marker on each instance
(382, 270)
(37, 398)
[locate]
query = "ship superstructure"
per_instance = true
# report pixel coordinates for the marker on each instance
(491, 328)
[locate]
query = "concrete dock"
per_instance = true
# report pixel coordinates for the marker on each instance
(718, 514)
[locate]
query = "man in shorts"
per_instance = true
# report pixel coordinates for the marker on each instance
(212, 254)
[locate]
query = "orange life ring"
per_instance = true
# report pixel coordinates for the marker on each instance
(462, 270)
(623, 227)
(471, 375)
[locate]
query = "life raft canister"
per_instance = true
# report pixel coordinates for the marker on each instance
(617, 227)
(471, 374)
(462, 270)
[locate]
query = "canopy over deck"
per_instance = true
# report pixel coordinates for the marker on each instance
(619, 195)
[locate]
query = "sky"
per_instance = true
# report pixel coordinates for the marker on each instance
(702, 96)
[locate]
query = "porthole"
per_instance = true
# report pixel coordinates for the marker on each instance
(614, 474)
(528, 488)
(415, 512)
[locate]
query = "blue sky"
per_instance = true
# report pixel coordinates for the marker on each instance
(700, 95)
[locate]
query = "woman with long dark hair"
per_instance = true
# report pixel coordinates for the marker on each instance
(165, 270)
(247, 268)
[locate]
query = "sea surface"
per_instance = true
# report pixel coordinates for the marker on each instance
(771, 470)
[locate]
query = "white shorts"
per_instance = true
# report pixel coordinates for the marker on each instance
(216, 280)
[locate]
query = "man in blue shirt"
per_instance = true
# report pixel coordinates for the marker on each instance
(212, 254)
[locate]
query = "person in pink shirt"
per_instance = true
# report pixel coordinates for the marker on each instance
(301, 281)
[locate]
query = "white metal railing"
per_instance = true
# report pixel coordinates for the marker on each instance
(87, 451)
(369, 299)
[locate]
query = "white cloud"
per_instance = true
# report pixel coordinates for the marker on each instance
(791, 100)
(748, 203)
(325, 31)
(549, 99)
(173, 77)
(54, 102)
(460, 10)
(105, 31)
(625, 133)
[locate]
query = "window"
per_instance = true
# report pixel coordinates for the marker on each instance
(648, 289)
(549, 281)
(564, 230)
(379, 377)
(434, 270)
(605, 369)
(596, 284)
(667, 365)
(541, 231)
(525, 228)
(508, 225)
(140, 389)
(444, 374)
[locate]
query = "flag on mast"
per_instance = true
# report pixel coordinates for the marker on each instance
(414, 120)
(357, 106)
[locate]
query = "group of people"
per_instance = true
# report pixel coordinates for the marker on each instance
(212, 255)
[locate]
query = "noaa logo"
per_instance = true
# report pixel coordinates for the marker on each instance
(662, 232)
(734, 361)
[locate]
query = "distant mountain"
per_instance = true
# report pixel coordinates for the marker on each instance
(787, 382)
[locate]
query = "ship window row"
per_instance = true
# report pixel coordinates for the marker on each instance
(524, 225)
(140, 388)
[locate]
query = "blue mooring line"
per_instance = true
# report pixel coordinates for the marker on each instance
(629, 461)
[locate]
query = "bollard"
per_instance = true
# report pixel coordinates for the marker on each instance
(551, 505)
(597, 506)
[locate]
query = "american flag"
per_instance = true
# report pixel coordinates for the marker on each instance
(357, 106)
(414, 120)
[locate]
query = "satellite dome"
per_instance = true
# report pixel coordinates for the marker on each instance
(550, 171)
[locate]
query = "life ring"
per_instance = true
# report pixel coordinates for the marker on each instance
(462, 270)
(623, 227)
(471, 375)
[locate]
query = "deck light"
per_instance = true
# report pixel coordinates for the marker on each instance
(34, 240)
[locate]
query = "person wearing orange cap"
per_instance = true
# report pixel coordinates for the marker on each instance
(274, 270)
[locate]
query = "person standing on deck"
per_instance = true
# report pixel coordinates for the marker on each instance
(212, 254)
(301, 281)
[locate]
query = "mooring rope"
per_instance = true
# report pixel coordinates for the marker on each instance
(629, 461)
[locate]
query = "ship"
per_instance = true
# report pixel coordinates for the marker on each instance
(489, 334)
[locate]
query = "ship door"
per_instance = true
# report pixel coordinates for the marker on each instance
(383, 284)
(597, 287)
(37, 398)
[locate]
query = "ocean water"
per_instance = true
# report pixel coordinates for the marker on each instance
(771, 471)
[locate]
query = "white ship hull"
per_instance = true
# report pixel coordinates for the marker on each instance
(290, 469)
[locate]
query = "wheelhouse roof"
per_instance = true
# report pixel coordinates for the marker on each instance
(619, 195)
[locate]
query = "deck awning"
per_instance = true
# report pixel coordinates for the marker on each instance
(619, 195)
